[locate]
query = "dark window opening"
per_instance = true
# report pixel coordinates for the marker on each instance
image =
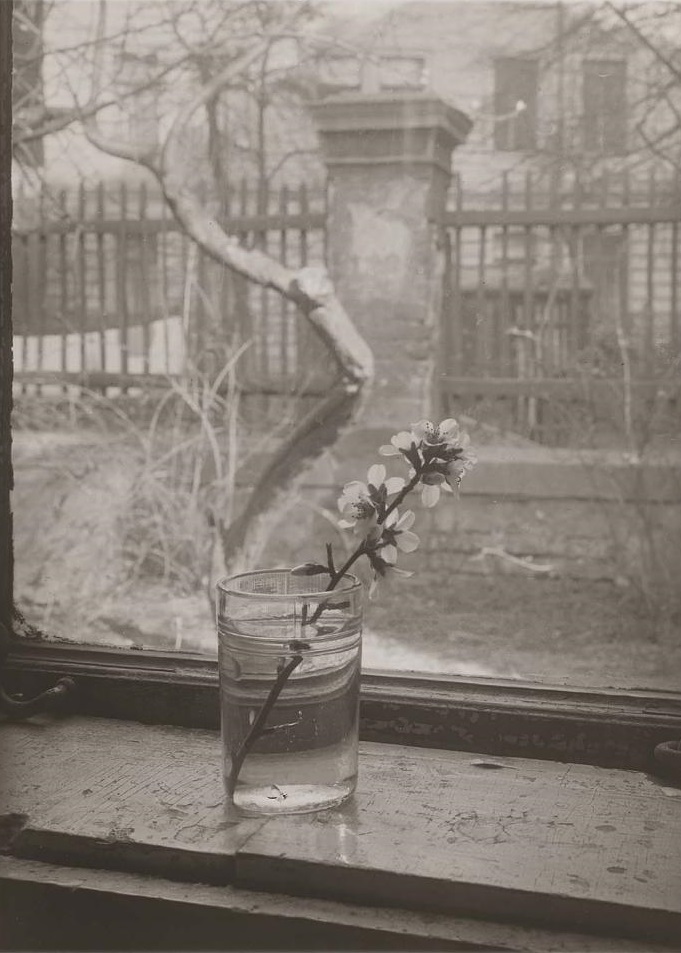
(603, 90)
(515, 104)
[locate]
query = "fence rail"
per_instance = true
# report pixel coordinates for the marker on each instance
(545, 285)
(561, 216)
(109, 290)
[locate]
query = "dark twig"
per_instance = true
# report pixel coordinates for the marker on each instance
(335, 577)
(259, 723)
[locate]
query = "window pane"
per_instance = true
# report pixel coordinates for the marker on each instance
(604, 106)
(515, 104)
(154, 386)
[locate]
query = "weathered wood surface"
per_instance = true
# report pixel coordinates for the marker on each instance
(121, 798)
(261, 920)
(566, 846)
(610, 728)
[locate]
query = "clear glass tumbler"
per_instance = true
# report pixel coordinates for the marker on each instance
(289, 656)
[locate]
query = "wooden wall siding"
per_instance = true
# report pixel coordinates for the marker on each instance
(106, 282)
(543, 281)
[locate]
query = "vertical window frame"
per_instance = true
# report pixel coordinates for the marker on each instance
(516, 133)
(604, 112)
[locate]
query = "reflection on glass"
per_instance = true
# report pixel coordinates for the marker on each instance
(153, 384)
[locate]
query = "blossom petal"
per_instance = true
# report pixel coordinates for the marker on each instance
(356, 489)
(457, 469)
(447, 426)
(422, 429)
(376, 474)
(391, 518)
(401, 572)
(430, 494)
(402, 440)
(389, 554)
(373, 588)
(387, 450)
(433, 478)
(406, 521)
(394, 485)
(407, 541)
(346, 524)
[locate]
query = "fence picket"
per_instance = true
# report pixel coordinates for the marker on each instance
(285, 315)
(241, 297)
(481, 354)
(63, 282)
(145, 280)
(122, 277)
(542, 258)
(675, 317)
(505, 322)
(82, 278)
(649, 331)
(459, 335)
(40, 287)
(571, 279)
(624, 267)
(164, 297)
(101, 278)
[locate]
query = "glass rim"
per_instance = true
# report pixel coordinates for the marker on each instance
(352, 585)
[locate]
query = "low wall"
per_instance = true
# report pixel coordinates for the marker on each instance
(590, 514)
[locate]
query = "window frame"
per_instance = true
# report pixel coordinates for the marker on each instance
(495, 716)
(600, 147)
(505, 133)
(503, 717)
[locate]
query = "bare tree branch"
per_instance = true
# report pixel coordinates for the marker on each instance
(84, 113)
(143, 153)
(659, 55)
(309, 289)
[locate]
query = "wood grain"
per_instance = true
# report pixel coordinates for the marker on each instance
(529, 841)
(129, 798)
(571, 847)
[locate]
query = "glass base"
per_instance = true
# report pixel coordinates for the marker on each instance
(290, 798)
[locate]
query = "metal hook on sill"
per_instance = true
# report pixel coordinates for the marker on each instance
(18, 708)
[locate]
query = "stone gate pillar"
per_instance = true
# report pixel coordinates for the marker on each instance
(388, 157)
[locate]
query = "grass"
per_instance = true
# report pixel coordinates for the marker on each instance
(152, 477)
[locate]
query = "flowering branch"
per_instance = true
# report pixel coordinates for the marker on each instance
(439, 458)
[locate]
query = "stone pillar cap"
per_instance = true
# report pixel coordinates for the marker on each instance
(348, 112)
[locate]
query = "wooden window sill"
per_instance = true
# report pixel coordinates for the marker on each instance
(530, 847)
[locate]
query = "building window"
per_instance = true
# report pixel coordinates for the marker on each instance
(603, 91)
(515, 104)
(141, 110)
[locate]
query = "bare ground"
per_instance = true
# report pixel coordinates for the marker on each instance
(71, 582)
